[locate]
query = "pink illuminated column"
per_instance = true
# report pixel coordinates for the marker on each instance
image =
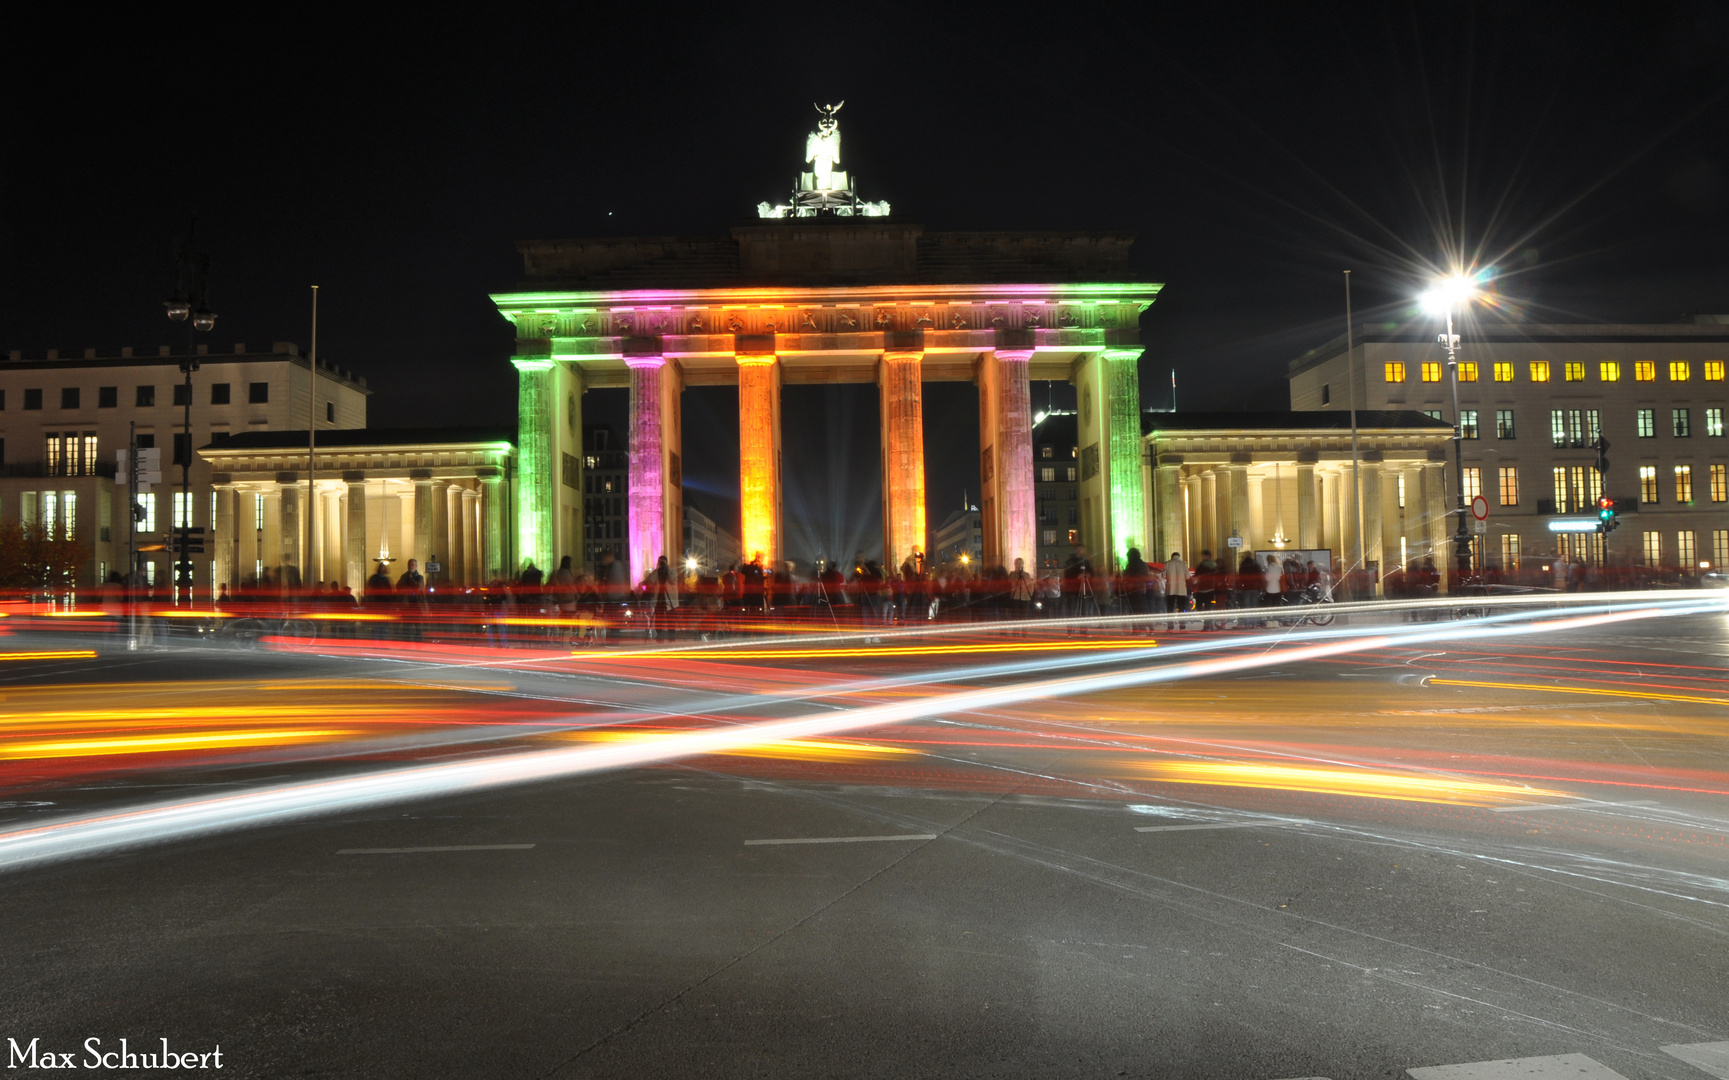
(900, 380)
(759, 457)
(648, 464)
(1014, 459)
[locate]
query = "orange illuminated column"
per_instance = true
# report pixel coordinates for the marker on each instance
(1006, 465)
(759, 457)
(656, 480)
(903, 442)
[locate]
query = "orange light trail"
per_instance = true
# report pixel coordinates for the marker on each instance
(878, 651)
(156, 744)
(1369, 785)
(1643, 695)
(59, 654)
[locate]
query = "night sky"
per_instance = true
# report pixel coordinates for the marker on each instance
(1582, 150)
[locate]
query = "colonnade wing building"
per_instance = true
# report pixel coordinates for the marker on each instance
(828, 300)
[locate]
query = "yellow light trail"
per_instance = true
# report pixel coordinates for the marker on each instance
(782, 749)
(881, 650)
(1368, 785)
(156, 744)
(60, 654)
(1642, 695)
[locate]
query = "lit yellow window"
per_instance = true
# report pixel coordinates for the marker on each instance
(1645, 371)
(1539, 371)
(1503, 372)
(1467, 371)
(1680, 371)
(1575, 371)
(1610, 371)
(1395, 372)
(1713, 371)
(1432, 372)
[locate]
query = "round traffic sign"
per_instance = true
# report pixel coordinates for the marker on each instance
(1480, 508)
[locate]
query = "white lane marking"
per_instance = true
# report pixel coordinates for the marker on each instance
(1572, 1066)
(1709, 1057)
(414, 850)
(1582, 804)
(841, 839)
(1223, 825)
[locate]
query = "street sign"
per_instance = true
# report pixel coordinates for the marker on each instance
(1482, 527)
(1233, 541)
(1480, 508)
(435, 568)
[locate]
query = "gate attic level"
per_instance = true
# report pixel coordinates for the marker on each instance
(820, 300)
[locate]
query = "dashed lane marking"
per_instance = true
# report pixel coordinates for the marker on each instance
(417, 850)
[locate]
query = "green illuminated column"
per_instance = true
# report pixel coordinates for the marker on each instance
(535, 503)
(1127, 500)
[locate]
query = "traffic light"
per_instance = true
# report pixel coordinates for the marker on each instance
(1602, 448)
(1606, 515)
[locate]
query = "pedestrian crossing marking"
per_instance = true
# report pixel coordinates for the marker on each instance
(1570, 1066)
(1708, 1057)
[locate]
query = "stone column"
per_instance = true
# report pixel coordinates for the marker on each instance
(1128, 512)
(1169, 486)
(288, 528)
(1215, 511)
(1332, 499)
(759, 484)
(425, 506)
(900, 383)
(1392, 518)
(1260, 529)
(1438, 525)
(1308, 516)
(492, 533)
(1372, 553)
(1240, 509)
(654, 484)
(354, 536)
(536, 479)
(447, 533)
(1193, 517)
(1006, 434)
(470, 537)
(225, 545)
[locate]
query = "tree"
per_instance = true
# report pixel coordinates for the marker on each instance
(34, 557)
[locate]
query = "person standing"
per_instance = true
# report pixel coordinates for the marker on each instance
(1021, 588)
(1273, 582)
(1133, 582)
(1176, 584)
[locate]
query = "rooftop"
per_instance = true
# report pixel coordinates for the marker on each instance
(1331, 420)
(129, 357)
(357, 438)
(1704, 329)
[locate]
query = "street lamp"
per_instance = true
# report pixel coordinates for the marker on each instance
(1455, 291)
(193, 270)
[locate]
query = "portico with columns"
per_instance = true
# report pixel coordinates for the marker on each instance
(1286, 482)
(440, 496)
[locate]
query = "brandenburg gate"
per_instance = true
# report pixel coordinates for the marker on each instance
(827, 288)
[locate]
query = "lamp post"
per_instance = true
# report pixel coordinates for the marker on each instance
(188, 305)
(1447, 294)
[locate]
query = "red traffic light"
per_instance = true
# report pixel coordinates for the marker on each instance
(1605, 503)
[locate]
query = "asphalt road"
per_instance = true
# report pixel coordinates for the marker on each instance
(1350, 865)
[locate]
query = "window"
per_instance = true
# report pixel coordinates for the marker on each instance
(258, 512)
(147, 522)
(1719, 483)
(330, 412)
(1539, 371)
(1431, 371)
(1326, 394)
(1509, 485)
(1713, 371)
(1574, 371)
(1653, 549)
(182, 448)
(146, 441)
(1685, 551)
(1683, 483)
(1645, 371)
(1683, 423)
(1609, 371)
(1503, 372)
(218, 393)
(182, 395)
(1504, 423)
(1045, 452)
(1510, 551)
(1473, 482)
(69, 513)
(1433, 414)
(1647, 483)
(1048, 475)
(107, 397)
(1558, 427)
(1714, 423)
(1074, 515)
(258, 393)
(1074, 536)
(32, 400)
(213, 519)
(1467, 423)
(50, 511)
(1680, 371)
(1050, 537)
(1395, 372)
(89, 441)
(1073, 474)
(1720, 546)
(1593, 426)
(182, 509)
(146, 398)
(1401, 498)
(1647, 423)
(1467, 371)
(69, 397)
(2, 401)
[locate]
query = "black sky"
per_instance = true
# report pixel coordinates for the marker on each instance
(1582, 149)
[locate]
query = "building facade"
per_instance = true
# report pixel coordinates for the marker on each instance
(1287, 483)
(710, 546)
(440, 496)
(63, 417)
(1533, 401)
(605, 472)
(1056, 489)
(960, 540)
